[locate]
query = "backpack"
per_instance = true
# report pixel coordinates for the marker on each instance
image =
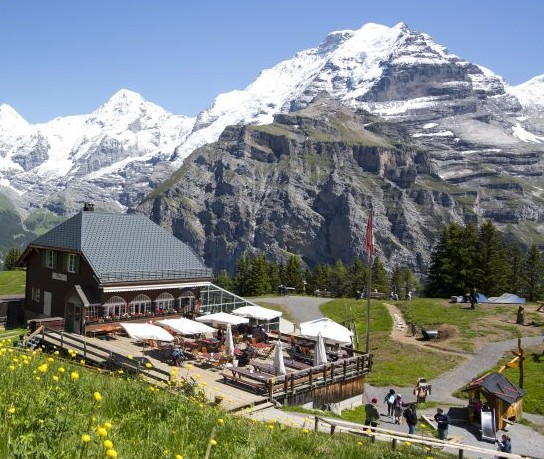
(391, 398)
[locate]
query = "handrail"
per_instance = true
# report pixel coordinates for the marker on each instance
(378, 432)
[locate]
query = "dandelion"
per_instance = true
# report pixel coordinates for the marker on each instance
(85, 438)
(178, 456)
(101, 432)
(82, 361)
(43, 368)
(11, 410)
(111, 453)
(407, 443)
(213, 442)
(97, 397)
(108, 444)
(189, 366)
(56, 353)
(61, 370)
(305, 431)
(360, 443)
(55, 378)
(148, 365)
(166, 452)
(220, 422)
(12, 367)
(129, 357)
(107, 425)
(74, 375)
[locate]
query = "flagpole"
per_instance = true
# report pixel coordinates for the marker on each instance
(370, 250)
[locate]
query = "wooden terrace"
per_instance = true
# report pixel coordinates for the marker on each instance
(235, 387)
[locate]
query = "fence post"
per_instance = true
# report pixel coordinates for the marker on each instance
(394, 444)
(316, 419)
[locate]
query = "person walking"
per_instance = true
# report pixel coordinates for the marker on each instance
(505, 445)
(443, 421)
(372, 415)
(389, 399)
(410, 414)
(397, 408)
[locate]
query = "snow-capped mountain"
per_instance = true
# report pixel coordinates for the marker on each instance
(119, 153)
(109, 153)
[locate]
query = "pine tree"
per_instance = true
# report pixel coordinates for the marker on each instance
(358, 276)
(12, 256)
(493, 267)
(242, 276)
(223, 280)
(293, 273)
(273, 277)
(534, 275)
(340, 280)
(258, 283)
(380, 280)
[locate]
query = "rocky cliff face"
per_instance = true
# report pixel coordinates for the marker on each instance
(305, 183)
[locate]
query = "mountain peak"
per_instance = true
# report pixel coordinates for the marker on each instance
(11, 120)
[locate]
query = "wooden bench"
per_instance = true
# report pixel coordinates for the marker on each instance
(256, 381)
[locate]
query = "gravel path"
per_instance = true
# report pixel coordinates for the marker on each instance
(525, 440)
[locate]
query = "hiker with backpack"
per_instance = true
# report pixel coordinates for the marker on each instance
(410, 414)
(390, 400)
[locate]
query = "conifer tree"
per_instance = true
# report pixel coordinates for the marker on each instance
(534, 275)
(258, 283)
(12, 255)
(358, 276)
(293, 273)
(223, 280)
(242, 276)
(380, 280)
(340, 280)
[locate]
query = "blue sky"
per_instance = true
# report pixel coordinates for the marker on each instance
(62, 57)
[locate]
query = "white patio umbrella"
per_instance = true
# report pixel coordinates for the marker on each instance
(186, 326)
(279, 364)
(144, 331)
(257, 312)
(229, 342)
(222, 318)
(331, 331)
(320, 353)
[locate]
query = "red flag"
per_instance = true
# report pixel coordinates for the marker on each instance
(369, 236)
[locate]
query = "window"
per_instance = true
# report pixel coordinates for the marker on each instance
(36, 294)
(49, 259)
(140, 305)
(115, 307)
(71, 263)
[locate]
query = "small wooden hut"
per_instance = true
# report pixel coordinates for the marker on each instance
(500, 394)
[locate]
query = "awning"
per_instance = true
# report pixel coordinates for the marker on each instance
(147, 332)
(185, 326)
(134, 288)
(257, 312)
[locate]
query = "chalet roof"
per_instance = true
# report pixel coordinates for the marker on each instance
(498, 385)
(125, 247)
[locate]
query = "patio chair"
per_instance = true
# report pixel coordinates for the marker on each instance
(196, 355)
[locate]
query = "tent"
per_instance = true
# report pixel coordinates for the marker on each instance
(145, 331)
(257, 312)
(186, 326)
(222, 318)
(507, 298)
(329, 329)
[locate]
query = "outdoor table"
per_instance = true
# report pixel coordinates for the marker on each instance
(296, 364)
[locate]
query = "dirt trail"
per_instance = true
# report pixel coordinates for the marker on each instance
(401, 333)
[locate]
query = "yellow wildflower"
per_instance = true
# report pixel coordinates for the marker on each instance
(11, 410)
(97, 397)
(101, 432)
(220, 422)
(85, 438)
(213, 442)
(111, 453)
(74, 375)
(108, 444)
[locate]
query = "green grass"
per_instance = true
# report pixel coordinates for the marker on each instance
(394, 363)
(12, 282)
(59, 408)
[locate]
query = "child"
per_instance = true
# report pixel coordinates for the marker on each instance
(397, 409)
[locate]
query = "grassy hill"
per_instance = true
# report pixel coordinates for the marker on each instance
(63, 409)
(12, 282)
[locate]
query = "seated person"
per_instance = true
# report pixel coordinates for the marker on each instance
(178, 356)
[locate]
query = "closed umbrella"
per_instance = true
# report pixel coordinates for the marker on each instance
(279, 365)
(320, 353)
(229, 342)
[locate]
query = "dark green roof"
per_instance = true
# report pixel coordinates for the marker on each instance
(125, 247)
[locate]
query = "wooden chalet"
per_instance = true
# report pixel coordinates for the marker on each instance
(102, 267)
(499, 394)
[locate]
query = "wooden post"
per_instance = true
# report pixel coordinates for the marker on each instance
(394, 444)
(333, 428)
(521, 359)
(316, 421)
(461, 453)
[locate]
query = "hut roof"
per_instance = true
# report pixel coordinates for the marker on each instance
(498, 385)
